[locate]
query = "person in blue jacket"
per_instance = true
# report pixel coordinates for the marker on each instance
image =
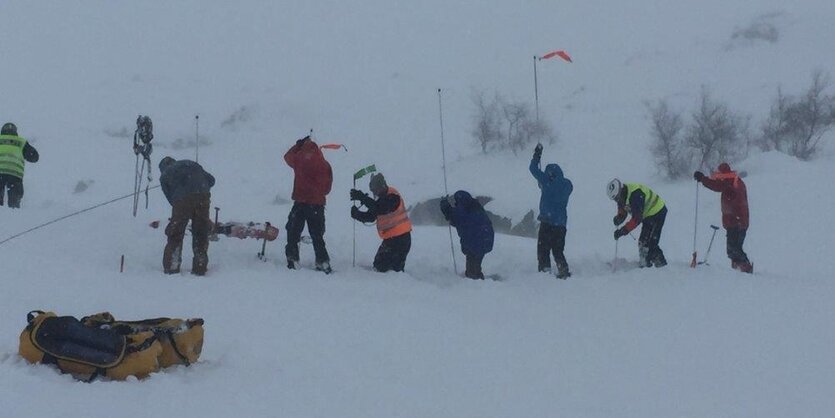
(474, 228)
(552, 214)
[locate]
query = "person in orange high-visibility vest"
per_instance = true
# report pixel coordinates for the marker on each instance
(388, 210)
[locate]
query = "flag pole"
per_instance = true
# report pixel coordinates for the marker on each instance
(446, 189)
(535, 89)
(197, 138)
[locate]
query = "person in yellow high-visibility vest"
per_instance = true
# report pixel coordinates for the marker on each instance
(15, 151)
(646, 208)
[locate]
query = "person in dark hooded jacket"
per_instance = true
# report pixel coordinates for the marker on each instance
(474, 229)
(187, 187)
(734, 211)
(553, 215)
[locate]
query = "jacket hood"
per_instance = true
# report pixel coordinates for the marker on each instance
(463, 198)
(166, 162)
(554, 172)
(310, 147)
(724, 168)
(377, 184)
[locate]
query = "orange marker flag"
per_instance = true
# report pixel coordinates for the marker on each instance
(333, 146)
(562, 54)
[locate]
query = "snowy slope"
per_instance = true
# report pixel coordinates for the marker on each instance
(642, 343)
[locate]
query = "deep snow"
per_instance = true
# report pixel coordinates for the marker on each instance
(642, 343)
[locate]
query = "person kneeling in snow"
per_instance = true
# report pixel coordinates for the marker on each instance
(647, 208)
(474, 228)
(186, 186)
(393, 224)
(734, 212)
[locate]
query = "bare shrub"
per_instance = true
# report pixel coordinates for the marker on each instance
(797, 125)
(668, 148)
(500, 124)
(716, 133)
(487, 130)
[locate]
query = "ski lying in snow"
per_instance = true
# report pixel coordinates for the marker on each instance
(247, 230)
(240, 230)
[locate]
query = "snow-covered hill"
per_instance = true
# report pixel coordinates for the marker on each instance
(641, 343)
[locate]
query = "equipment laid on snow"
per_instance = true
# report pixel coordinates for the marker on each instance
(98, 345)
(240, 230)
(142, 146)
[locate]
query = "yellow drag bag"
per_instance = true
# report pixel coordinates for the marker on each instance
(100, 346)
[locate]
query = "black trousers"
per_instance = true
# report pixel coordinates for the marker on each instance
(392, 253)
(314, 217)
(736, 237)
(14, 185)
(651, 236)
(473, 269)
(551, 239)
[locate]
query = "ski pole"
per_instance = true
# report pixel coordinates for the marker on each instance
(615, 260)
(197, 138)
(446, 189)
(710, 245)
(262, 255)
(213, 237)
(354, 235)
(695, 228)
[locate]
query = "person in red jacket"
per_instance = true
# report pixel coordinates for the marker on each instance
(734, 211)
(312, 182)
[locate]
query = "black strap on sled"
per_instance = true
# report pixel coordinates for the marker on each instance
(177, 351)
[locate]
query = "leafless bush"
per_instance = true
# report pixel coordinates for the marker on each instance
(500, 124)
(668, 148)
(487, 131)
(797, 125)
(716, 133)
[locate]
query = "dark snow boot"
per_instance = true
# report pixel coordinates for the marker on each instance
(545, 269)
(659, 261)
(643, 257)
(292, 264)
(324, 267)
(563, 273)
(746, 267)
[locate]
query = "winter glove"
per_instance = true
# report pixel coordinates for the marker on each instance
(620, 232)
(357, 195)
(537, 152)
(619, 218)
(355, 212)
(698, 176)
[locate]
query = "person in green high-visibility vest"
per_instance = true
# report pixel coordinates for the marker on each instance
(647, 209)
(14, 153)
